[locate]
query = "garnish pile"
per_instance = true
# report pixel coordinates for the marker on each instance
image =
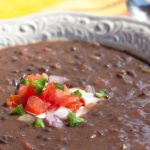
(47, 102)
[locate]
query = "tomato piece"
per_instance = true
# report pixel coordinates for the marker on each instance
(48, 93)
(82, 102)
(72, 106)
(35, 105)
(69, 99)
(66, 89)
(54, 95)
(32, 77)
(25, 91)
(64, 98)
(72, 102)
(22, 90)
(13, 101)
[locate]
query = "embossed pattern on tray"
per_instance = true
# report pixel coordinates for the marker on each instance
(118, 32)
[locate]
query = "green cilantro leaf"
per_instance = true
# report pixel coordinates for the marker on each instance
(18, 110)
(73, 120)
(77, 93)
(102, 94)
(38, 123)
(39, 85)
(59, 86)
(24, 81)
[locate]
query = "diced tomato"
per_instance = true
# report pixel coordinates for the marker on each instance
(48, 93)
(32, 77)
(64, 98)
(13, 101)
(22, 90)
(72, 106)
(25, 91)
(82, 102)
(36, 106)
(66, 89)
(69, 99)
(54, 95)
(72, 102)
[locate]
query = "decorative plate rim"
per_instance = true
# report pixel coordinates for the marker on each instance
(123, 33)
(125, 18)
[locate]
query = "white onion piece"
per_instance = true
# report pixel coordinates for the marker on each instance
(27, 118)
(53, 121)
(90, 89)
(81, 111)
(88, 97)
(61, 112)
(59, 79)
(42, 116)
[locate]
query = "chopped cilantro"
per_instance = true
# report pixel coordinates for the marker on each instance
(24, 81)
(78, 93)
(102, 94)
(73, 120)
(59, 86)
(38, 123)
(18, 110)
(39, 85)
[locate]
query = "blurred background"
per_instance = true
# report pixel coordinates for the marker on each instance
(16, 8)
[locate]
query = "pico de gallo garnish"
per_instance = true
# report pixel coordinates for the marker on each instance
(47, 101)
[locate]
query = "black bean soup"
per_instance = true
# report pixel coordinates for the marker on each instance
(120, 123)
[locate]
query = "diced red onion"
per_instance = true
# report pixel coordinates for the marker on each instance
(90, 89)
(59, 79)
(53, 121)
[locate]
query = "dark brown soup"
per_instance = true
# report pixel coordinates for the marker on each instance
(120, 123)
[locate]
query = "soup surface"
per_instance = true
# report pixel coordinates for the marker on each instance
(120, 123)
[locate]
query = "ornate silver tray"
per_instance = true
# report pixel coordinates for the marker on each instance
(118, 32)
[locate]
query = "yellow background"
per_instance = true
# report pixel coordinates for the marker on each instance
(15, 8)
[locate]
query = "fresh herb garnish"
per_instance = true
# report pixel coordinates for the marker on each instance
(24, 81)
(18, 110)
(78, 93)
(73, 120)
(102, 94)
(38, 123)
(39, 85)
(59, 86)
